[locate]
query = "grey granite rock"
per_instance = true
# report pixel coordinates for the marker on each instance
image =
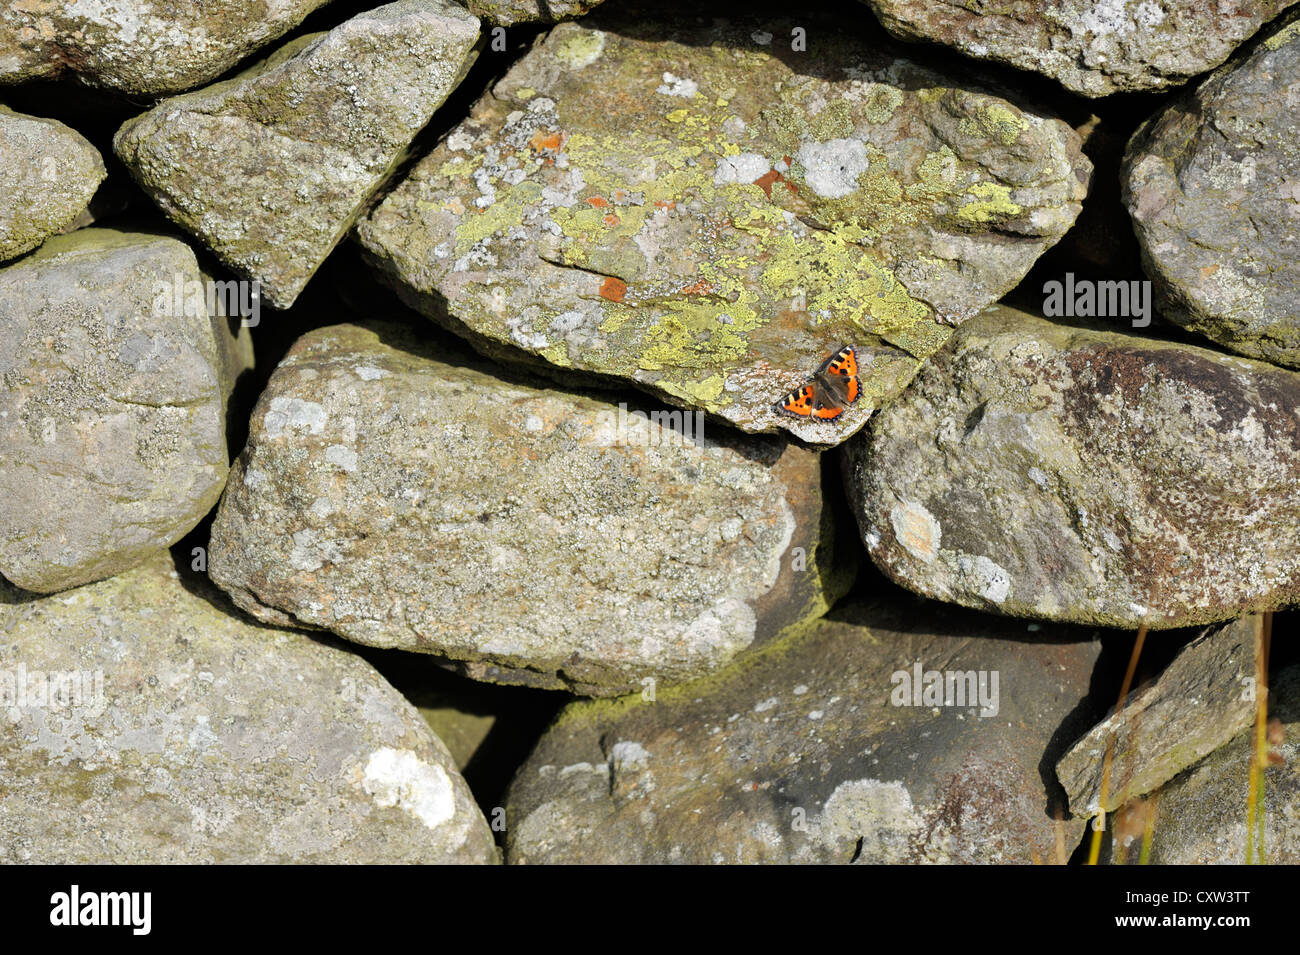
(270, 169)
(1213, 186)
(815, 750)
(528, 533)
(1063, 473)
(146, 721)
(112, 405)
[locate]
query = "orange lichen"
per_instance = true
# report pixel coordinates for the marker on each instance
(598, 202)
(546, 144)
(613, 289)
(765, 181)
(612, 220)
(702, 287)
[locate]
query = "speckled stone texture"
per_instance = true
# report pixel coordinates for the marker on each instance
(51, 173)
(799, 754)
(112, 407)
(1213, 186)
(1092, 47)
(143, 47)
(691, 206)
(1068, 474)
(400, 501)
(155, 725)
(270, 169)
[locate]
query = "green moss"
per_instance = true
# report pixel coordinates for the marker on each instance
(714, 685)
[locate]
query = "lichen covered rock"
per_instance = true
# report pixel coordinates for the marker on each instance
(1090, 47)
(1213, 186)
(527, 533)
(691, 206)
(1070, 474)
(51, 174)
(143, 722)
(822, 748)
(112, 406)
(144, 47)
(270, 169)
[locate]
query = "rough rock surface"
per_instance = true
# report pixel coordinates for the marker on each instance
(51, 173)
(112, 407)
(196, 736)
(1201, 816)
(146, 47)
(271, 168)
(507, 12)
(1199, 703)
(1070, 474)
(403, 502)
(694, 207)
(799, 754)
(1090, 47)
(1213, 186)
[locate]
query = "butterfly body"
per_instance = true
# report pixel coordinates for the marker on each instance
(832, 388)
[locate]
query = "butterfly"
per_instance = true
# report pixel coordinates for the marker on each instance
(834, 385)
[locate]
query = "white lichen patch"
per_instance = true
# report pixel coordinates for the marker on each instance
(341, 457)
(625, 754)
(741, 168)
(400, 778)
(982, 576)
(879, 813)
(674, 85)
(293, 414)
(916, 530)
(831, 169)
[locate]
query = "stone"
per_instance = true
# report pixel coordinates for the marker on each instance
(145, 721)
(1213, 187)
(688, 206)
(813, 751)
(526, 533)
(1045, 471)
(1201, 817)
(509, 12)
(1199, 702)
(141, 47)
(112, 405)
(269, 169)
(51, 171)
(1091, 48)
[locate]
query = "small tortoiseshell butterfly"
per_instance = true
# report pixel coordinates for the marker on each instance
(834, 385)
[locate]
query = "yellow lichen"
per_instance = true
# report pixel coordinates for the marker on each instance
(992, 204)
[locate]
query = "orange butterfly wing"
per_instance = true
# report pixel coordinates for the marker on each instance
(845, 365)
(799, 402)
